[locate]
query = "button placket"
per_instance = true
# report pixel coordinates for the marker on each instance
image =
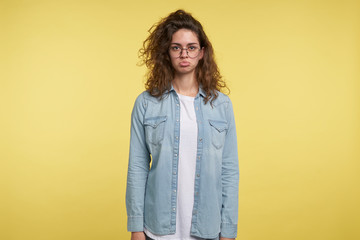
(175, 163)
(199, 118)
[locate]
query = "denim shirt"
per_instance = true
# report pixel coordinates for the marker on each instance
(151, 191)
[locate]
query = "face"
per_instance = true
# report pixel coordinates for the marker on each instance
(184, 64)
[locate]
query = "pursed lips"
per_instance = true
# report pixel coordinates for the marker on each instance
(184, 64)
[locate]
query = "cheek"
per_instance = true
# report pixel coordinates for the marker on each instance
(173, 63)
(197, 61)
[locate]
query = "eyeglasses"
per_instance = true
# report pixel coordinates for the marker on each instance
(192, 51)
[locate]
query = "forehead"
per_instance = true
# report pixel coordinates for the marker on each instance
(184, 37)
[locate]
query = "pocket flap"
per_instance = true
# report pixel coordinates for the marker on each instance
(154, 121)
(219, 125)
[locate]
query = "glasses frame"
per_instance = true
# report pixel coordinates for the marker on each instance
(187, 52)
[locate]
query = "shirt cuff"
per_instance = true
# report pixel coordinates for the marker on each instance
(228, 230)
(135, 224)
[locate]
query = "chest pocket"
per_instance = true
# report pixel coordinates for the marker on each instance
(154, 129)
(218, 132)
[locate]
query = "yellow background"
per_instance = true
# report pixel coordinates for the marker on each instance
(68, 81)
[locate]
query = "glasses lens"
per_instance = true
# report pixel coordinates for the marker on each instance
(193, 53)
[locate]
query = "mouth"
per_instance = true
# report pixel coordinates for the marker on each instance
(184, 64)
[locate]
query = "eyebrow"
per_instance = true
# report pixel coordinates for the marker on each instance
(186, 44)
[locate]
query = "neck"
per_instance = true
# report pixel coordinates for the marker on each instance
(186, 85)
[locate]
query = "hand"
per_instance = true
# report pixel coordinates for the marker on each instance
(138, 236)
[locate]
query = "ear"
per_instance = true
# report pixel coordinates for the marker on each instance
(201, 53)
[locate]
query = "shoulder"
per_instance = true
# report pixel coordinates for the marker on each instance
(222, 99)
(145, 97)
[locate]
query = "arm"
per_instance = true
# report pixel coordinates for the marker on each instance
(230, 180)
(138, 169)
(138, 236)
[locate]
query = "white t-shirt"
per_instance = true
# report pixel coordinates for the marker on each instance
(186, 172)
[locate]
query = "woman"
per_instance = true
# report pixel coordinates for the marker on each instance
(184, 126)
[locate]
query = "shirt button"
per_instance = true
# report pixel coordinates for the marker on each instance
(198, 175)
(175, 191)
(174, 173)
(177, 137)
(197, 193)
(177, 104)
(200, 139)
(197, 108)
(198, 157)
(175, 155)
(177, 120)
(174, 209)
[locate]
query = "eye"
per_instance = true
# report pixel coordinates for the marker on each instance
(192, 48)
(175, 48)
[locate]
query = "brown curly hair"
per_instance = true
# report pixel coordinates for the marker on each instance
(155, 55)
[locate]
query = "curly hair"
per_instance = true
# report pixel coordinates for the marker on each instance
(154, 54)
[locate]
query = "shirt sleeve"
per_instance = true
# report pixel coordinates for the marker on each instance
(138, 169)
(230, 179)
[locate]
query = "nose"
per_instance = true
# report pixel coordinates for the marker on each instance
(183, 53)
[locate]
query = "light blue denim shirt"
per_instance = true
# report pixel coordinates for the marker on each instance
(151, 192)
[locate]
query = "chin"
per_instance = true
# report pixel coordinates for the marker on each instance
(185, 71)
